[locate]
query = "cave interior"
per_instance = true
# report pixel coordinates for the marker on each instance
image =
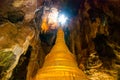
(28, 33)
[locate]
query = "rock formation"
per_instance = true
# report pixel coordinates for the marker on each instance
(91, 34)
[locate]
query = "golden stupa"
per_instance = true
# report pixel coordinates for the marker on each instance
(60, 63)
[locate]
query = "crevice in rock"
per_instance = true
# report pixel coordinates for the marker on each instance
(20, 70)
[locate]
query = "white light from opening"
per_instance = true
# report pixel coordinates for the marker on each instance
(53, 16)
(62, 19)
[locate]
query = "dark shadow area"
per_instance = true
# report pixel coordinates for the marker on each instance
(118, 74)
(48, 40)
(114, 31)
(96, 12)
(105, 52)
(71, 7)
(49, 37)
(2, 19)
(1, 68)
(20, 71)
(15, 16)
(67, 36)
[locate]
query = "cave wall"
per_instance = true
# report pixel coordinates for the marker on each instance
(93, 38)
(15, 33)
(97, 26)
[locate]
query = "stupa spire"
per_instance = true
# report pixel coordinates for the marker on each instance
(60, 63)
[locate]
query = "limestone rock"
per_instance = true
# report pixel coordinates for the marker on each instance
(15, 16)
(27, 6)
(100, 76)
(14, 41)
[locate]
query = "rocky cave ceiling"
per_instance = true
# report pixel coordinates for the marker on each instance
(91, 33)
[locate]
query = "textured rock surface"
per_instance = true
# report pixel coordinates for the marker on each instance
(98, 35)
(93, 74)
(14, 41)
(94, 36)
(27, 6)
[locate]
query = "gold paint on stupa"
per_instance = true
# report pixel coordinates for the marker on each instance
(60, 63)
